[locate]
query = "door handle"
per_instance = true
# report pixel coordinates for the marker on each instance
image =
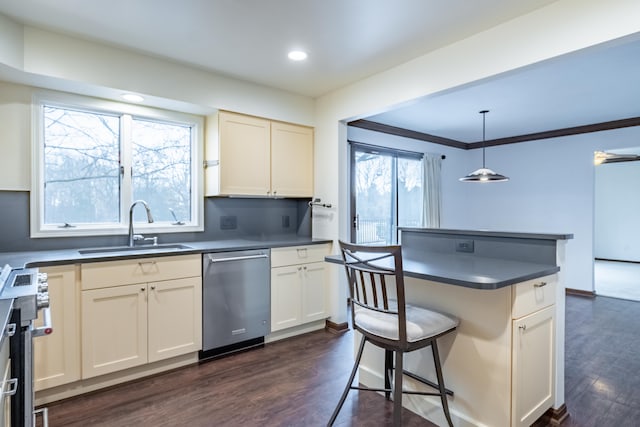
(236, 258)
(356, 222)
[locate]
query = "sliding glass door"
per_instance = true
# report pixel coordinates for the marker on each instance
(386, 193)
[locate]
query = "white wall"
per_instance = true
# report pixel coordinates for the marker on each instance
(617, 211)
(562, 27)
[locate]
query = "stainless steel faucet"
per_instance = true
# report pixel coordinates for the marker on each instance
(134, 237)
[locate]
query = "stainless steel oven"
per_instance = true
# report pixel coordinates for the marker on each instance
(27, 290)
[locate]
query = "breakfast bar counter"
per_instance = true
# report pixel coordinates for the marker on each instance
(505, 363)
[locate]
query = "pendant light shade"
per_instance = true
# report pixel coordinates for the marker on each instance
(484, 174)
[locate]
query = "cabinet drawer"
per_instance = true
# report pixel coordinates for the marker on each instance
(141, 270)
(298, 255)
(533, 295)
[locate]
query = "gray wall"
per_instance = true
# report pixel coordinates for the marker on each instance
(255, 219)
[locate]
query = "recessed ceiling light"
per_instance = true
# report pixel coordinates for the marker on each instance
(297, 55)
(132, 97)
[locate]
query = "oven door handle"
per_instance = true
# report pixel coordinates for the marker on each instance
(45, 329)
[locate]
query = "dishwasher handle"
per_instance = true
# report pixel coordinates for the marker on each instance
(236, 258)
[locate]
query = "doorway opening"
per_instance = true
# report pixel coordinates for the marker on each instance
(617, 224)
(386, 193)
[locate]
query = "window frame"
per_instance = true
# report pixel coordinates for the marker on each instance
(395, 154)
(125, 112)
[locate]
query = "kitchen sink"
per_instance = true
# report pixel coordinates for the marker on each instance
(134, 249)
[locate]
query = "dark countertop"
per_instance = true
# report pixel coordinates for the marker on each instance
(73, 256)
(470, 271)
(489, 233)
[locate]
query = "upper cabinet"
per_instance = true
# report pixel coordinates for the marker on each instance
(251, 156)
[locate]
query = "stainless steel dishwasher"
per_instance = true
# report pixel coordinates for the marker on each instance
(236, 301)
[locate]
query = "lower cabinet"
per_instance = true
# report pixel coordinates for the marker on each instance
(298, 286)
(130, 325)
(139, 311)
(533, 358)
(57, 356)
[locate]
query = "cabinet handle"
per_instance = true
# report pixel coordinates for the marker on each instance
(12, 387)
(153, 288)
(10, 330)
(540, 285)
(523, 327)
(305, 267)
(142, 289)
(141, 263)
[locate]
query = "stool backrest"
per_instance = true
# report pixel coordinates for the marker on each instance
(375, 276)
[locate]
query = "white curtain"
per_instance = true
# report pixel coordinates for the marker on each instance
(432, 187)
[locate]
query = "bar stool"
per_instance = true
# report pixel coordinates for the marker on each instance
(389, 323)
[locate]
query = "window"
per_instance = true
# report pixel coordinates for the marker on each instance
(386, 193)
(94, 158)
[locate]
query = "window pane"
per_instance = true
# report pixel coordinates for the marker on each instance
(81, 167)
(410, 192)
(374, 197)
(161, 162)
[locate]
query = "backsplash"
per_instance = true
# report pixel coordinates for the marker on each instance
(225, 218)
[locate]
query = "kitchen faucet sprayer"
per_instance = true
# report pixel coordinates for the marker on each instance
(134, 237)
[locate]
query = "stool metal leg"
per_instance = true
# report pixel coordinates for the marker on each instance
(348, 387)
(388, 372)
(397, 390)
(441, 387)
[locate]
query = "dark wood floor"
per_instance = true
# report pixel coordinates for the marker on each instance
(297, 382)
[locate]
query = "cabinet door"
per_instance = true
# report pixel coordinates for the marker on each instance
(245, 160)
(314, 294)
(286, 294)
(57, 356)
(175, 317)
(291, 160)
(533, 366)
(114, 329)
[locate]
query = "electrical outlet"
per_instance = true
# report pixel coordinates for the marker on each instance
(228, 222)
(285, 221)
(464, 246)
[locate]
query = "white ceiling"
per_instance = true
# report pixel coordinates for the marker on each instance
(348, 40)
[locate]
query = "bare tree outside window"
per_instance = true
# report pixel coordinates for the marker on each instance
(81, 167)
(162, 168)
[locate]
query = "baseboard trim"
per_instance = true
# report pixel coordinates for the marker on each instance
(556, 417)
(580, 293)
(336, 328)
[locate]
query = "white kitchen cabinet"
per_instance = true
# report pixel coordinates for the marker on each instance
(298, 286)
(174, 318)
(114, 329)
(291, 160)
(252, 156)
(533, 350)
(138, 312)
(533, 366)
(57, 356)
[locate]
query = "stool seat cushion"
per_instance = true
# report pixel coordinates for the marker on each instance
(422, 323)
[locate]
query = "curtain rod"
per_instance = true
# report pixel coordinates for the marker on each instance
(381, 148)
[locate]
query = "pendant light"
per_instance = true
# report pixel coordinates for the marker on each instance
(483, 174)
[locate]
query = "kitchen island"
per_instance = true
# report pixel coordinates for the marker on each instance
(505, 363)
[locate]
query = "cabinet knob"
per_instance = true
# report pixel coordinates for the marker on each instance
(153, 288)
(142, 289)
